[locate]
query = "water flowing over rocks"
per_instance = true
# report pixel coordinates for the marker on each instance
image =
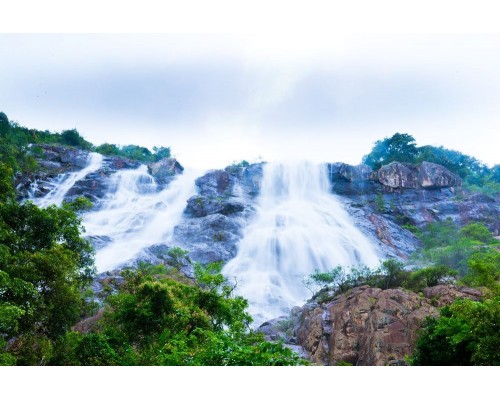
(213, 219)
(58, 160)
(364, 326)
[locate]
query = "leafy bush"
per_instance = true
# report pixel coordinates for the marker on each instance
(484, 270)
(73, 138)
(428, 277)
(466, 333)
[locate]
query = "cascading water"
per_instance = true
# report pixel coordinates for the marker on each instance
(299, 227)
(136, 215)
(66, 182)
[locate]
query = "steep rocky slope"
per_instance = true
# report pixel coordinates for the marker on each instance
(57, 160)
(365, 326)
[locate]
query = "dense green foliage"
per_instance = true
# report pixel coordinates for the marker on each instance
(402, 147)
(390, 274)
(134, 152)
(44, 267)
(159, 318)
(466, 333)
(445, 244)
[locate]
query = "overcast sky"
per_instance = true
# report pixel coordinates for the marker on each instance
(216, 99)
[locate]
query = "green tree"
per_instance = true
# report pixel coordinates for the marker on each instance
(466, 333)
(72, 138)
(477, 231)
(160, 153)
(108, 149)
(484, 270)
(393, 273)
(428, 277)
(44, 266)
(400, 147)
(4, 124)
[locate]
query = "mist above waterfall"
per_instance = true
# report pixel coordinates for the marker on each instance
(299, 227)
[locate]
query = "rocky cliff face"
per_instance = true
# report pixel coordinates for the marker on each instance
(57, 160)
(400, 194)
(214, 218)
(365, 326)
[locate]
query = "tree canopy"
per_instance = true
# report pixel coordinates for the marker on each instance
(402, 147)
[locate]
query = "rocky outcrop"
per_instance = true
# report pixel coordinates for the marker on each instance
(57, 160)
(360, 179)
(403, 194)
(214, 218)
(365, 326)
(165, 170)
(398, 175)
(432, 175)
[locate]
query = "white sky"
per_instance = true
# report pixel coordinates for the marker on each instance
(215, 99)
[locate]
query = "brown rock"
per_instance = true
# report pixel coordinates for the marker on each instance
(428, 175)
(432, 175)
(370, 326)
(398, 175)
(442, 295)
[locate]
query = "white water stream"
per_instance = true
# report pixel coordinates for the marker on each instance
(135, 215)
(66, 182)
(299, 227)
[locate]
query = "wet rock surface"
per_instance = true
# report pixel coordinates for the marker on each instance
(57, 160)
(165, 170)
(401, 194)
(214, 218)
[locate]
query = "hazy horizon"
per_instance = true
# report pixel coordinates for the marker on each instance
(215, 99)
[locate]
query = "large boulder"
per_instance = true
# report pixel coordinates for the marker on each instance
(432, 175)
(428, 175)
(398, 175)
(164, 170)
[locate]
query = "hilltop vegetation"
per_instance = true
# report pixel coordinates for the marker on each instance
(15, 141)
(402, 147)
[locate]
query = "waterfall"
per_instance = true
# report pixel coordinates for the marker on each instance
(135, 215)
(66, 181)
(299, 227)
